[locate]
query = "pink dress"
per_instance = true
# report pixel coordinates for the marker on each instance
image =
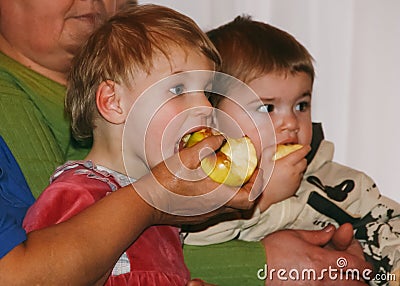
(155, 258)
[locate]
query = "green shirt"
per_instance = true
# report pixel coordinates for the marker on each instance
(33, 124)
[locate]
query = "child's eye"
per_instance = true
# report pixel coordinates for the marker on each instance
(266, 108)
(177, 90)
(302, 106)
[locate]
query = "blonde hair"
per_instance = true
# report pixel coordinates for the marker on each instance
(250, 49)
(126, 44)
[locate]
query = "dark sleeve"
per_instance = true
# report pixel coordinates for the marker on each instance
(11, 233)
(15, 199)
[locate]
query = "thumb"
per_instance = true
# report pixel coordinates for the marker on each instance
(209, 145)
(318, 237)
(343, 236)
(192, 156)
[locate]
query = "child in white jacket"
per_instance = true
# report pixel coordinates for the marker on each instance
(304, 192)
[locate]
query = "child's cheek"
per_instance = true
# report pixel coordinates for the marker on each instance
(305, 135)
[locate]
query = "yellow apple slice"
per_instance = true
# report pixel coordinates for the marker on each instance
(284, 150)
(233, 164)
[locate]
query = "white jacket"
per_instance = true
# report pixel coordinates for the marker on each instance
(329, 193)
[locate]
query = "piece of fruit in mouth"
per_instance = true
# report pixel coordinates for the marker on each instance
(283, 150)
(191, 139)
(233, 164)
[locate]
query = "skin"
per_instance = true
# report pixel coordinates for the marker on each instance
(51, 57)
(179, 112)
(286, 98)
(287, 101)
(80, 250)
(307, 252)
(45, 34)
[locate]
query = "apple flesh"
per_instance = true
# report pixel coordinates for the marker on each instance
(284, 150)
(233, 164)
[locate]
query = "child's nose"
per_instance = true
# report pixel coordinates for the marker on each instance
(200, 105)
(289, 122)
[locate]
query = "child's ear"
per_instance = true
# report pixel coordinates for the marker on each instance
(109, 103)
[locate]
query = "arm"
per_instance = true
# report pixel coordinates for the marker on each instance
(82, 248)
(86, 246)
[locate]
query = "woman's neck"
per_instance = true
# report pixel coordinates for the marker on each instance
(7, 49)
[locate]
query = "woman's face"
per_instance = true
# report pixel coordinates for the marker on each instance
(47, 33)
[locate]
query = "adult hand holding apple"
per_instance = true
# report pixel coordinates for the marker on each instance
(233, 164)
(167, 187)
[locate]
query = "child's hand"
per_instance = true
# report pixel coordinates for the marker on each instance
(286, 176)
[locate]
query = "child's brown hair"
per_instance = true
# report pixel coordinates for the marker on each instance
(250, 49)
(124, 45)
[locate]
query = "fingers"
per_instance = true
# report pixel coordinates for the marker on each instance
(268, 152)
(209, 144)
(298, 155)
(318, 237)
(255, 185)
(245, 197)
(240, 200)
(296, 161)
(192, 156)
(343, 237)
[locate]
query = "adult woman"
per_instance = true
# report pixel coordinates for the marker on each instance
(37, 42)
